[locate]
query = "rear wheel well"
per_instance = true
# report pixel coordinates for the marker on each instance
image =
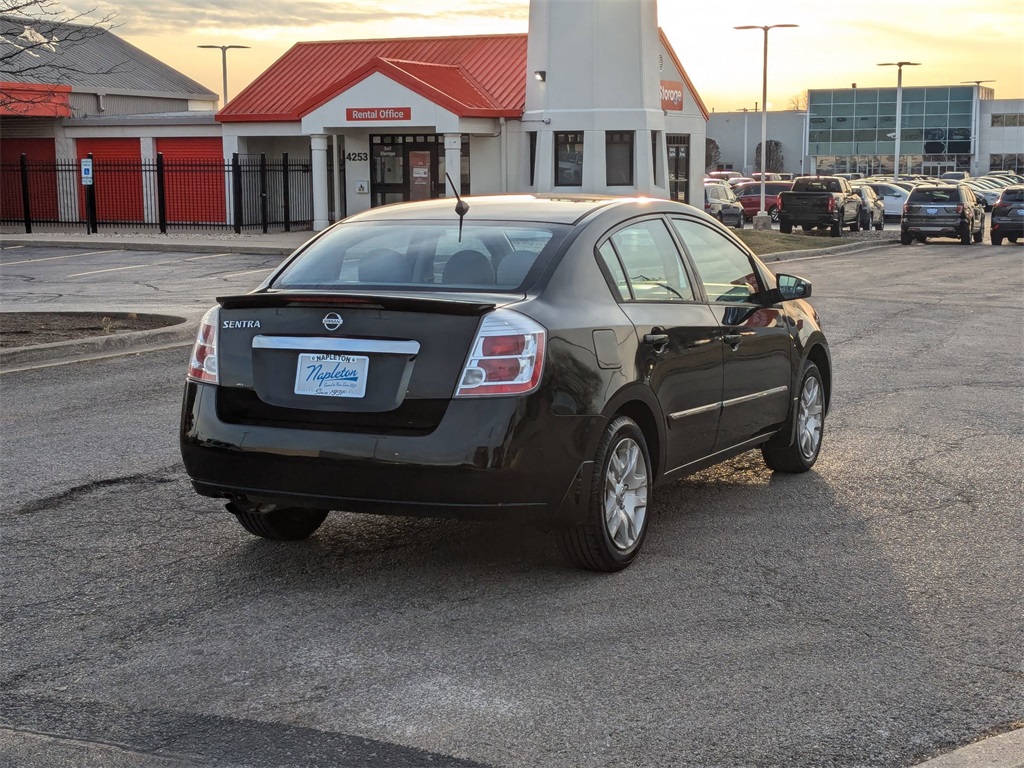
(641, 413)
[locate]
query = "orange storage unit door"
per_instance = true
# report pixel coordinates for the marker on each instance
(117, 176)
(41, 156)
(195, 178)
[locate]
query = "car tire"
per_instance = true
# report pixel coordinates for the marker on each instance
(279, 524)
(855, 227)
(981, 231)
(922, 239)
(837, 229)
(786, 228)
(617, 509)
(1012, 238)
(906, 239)
(996, 239)
(774, 213)
(809, 415)
(880, 224)
(965, 235)
(806, 227)
(865, 223)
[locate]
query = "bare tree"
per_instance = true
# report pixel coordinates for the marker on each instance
(798, 102)
(712, 154)
(775, 161)
(35, 37)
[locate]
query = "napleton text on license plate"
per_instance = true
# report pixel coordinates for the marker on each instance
(331, 375)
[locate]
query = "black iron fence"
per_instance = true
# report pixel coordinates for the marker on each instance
(249, 193)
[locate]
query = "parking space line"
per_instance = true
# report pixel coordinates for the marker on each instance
(10, 247)
(236, 274)
(209, 256)
(54, 258)
(122, 268)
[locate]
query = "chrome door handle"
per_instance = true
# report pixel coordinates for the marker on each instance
(732, 339)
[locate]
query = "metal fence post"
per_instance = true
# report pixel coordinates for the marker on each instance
(284, 189)
(264, 204)
(90, 202)
(236, 186)
(26, 204)
(161, 193)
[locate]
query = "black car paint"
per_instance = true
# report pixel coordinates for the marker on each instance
(533, 452)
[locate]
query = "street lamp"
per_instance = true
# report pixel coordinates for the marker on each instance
(899, 106)
(763, 220)
(224, 63)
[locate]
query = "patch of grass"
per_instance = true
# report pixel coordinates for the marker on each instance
(763, 242)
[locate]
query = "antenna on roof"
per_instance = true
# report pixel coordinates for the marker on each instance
(461, 207)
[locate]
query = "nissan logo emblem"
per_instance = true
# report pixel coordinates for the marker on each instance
(332, 321)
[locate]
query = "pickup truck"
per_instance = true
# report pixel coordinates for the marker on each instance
(820, 201)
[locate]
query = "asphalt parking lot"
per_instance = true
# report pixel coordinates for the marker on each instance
(867, 613)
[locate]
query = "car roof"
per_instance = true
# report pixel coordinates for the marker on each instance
(547, 208)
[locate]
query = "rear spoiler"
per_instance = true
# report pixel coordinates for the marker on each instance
(397, 302)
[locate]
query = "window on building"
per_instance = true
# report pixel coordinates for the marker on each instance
(569, 159)
(1006, 120)
(618, 158)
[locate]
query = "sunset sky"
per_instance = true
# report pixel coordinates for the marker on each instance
(954, 40)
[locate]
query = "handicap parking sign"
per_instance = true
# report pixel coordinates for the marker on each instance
(86, 171)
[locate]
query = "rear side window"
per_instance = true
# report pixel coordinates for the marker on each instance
(645, 256)
(1015, 195)
(422, 256)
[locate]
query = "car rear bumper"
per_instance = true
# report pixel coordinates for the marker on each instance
(1006, 226)
(934, 229)
(506, 457)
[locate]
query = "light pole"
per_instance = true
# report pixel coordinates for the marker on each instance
(763, 220)
(745, 166)
(224, 63)
(899, 106)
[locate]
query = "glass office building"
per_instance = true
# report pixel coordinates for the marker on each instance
(854, 129)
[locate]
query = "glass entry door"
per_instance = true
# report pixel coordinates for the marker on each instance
(405, 167)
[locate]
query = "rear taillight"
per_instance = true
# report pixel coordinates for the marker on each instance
(203, 365)
(960, 208)
(506, 357)
(906, 208)
(831, 204)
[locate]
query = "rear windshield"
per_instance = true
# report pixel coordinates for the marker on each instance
(423, 256)
(934, 195)
(1013, 195)
(817, 185)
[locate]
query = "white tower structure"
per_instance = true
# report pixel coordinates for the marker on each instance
(593, 97)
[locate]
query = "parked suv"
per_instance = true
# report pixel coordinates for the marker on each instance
(942, 210)
(721, 202)
(872, 213)
(1008, 215)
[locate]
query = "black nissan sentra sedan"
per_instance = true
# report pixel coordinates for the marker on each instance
(534, 358)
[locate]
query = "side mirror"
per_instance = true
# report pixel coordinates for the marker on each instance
(793, 287)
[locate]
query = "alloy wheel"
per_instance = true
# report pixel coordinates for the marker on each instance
(625, 494)
(809, 418)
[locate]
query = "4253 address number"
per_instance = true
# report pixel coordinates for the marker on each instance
(357, 156)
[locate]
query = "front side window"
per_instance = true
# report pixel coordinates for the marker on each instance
(618, 154)
(727, 273)
(649, 261)
(569, 159)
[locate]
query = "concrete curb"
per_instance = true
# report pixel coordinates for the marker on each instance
(1003, 751)
(178, 331)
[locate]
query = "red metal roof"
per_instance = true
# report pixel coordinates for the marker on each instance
(32, 100)
(479, 75)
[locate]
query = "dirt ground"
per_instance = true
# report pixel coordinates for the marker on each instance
(24, 329)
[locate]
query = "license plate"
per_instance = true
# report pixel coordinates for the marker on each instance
(931, 211)
(1020, 211)
(326, 375)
